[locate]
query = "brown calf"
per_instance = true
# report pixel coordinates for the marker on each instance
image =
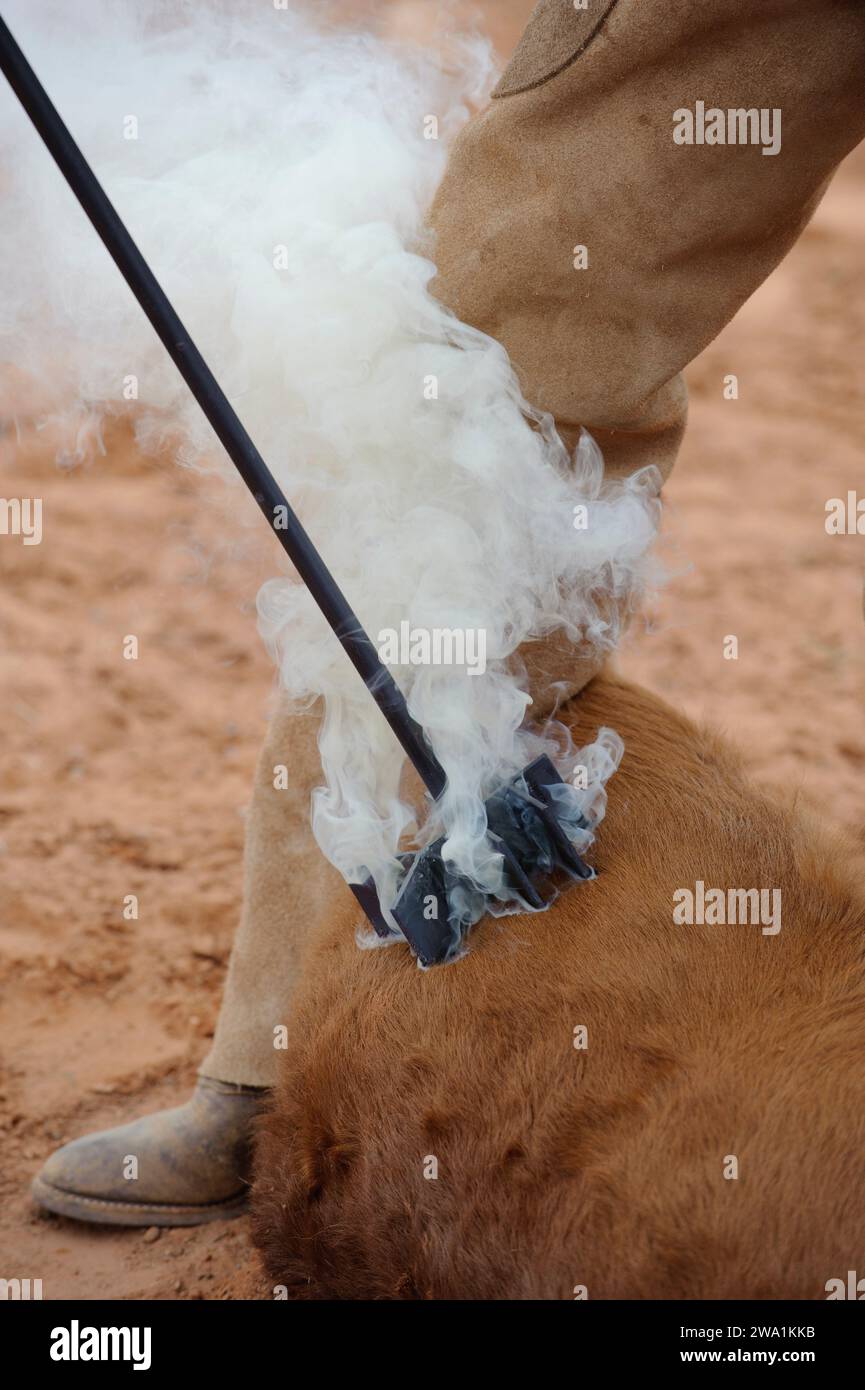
(604, 1160)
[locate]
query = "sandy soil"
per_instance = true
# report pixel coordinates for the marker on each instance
(131, 777)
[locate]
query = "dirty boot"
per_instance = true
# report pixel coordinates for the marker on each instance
(178, 1167)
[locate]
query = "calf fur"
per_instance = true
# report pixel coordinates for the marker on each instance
(605, 1167)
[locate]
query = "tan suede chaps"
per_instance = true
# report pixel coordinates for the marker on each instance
(594, 221)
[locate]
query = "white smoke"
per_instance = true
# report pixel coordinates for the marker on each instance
(276, 175)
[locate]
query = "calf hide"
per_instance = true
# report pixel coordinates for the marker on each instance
(599, 1100)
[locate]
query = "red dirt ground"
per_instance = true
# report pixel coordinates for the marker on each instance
(124, 777)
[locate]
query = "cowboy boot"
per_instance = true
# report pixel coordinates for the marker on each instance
(178, 1167)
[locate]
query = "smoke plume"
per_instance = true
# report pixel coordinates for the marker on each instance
(275, 170)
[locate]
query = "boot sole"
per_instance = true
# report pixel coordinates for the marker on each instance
(103, 1212)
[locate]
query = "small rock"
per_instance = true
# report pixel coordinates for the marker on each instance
(207, 948)
(151, 1234)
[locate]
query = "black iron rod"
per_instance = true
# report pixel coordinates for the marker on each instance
(210, 396)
